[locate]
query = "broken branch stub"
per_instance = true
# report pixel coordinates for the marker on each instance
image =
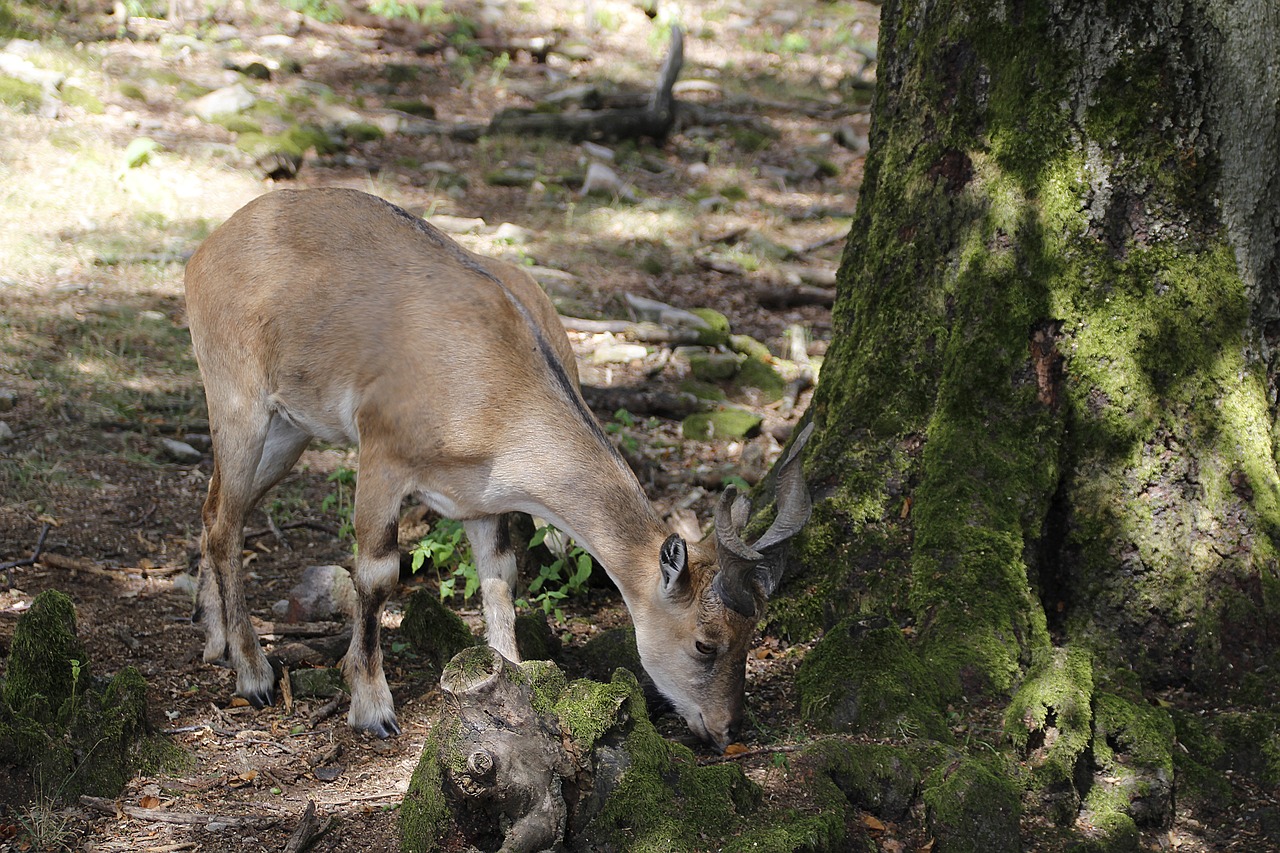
(502, 762)
(523, 760)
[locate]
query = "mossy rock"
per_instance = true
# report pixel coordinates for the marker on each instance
(1054, 707)
(534, 637)
(713, 366)
(703, 390)
(87, 101)
(1197, 765)
(363, 131)
(611, 650)
(863, 677)
(434, 631)
(723, 423)
(20, 94)
(1132, 748)
(883, 780)
(237, 123)
(316, 682)
(761, 376)
(750, 347)
(413, 108)
(973, 807)
(717, 331)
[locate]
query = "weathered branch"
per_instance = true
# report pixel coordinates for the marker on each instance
(642, 401)
(653, 121)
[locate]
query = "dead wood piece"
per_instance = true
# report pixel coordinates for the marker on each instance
(294, 629)
(28, 561)
(325, 711)
(779, 297)
(751, 753)
(642, 401)
(113, 807)
(276, 529)
(798, 350)
(309, 831)
(84, 564)
(645, 333)
(653, 121)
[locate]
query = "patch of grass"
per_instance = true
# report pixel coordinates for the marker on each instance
(20, 94)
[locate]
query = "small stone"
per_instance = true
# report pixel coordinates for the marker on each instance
(187, 584)
(323, 592)
(8, 399)
(601, 180)
(592, 149)
(509, 232)
(225, 101)
(618, 353)
(6, 432)
(179, 451)
(457, 224)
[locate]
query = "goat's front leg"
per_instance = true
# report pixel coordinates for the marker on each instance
(376, 575)
(496, 566)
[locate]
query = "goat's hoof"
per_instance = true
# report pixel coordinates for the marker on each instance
(382, 729)
(261, 698)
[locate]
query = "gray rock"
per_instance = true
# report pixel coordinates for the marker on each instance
(601, 180)
(179, 451)
(6, 432)
(225, 101)
(8, 399)
(12, 65)
(323, 592)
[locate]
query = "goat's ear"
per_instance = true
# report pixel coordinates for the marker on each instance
(673, 559)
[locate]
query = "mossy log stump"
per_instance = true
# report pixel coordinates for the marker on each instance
(523, 760)
(73, 732)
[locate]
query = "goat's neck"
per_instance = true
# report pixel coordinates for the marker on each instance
(611, 517)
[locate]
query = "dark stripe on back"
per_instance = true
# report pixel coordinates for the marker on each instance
(566, 386)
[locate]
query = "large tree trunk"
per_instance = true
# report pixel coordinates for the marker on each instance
(1045, 442)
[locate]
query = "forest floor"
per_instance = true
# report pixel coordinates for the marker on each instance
(108, 186)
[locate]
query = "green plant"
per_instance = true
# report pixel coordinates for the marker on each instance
(426, 13)
(321, 10)
(342, 500)
(622, 419)
(565, 576)
(450, 555)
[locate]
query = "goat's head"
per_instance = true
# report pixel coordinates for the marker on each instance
(708, 601)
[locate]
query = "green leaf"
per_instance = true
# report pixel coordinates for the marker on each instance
(139, 151)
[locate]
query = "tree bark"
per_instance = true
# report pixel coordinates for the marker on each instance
(1046, 421)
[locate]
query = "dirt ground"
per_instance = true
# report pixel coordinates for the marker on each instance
(750, 197)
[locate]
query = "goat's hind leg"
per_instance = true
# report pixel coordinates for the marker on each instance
(377, 511)
(490, 540)
(251, 453)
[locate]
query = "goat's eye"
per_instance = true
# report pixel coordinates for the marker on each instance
(704, 648)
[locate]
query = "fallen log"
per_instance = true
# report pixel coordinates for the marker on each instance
(652, 121)
(642, 401)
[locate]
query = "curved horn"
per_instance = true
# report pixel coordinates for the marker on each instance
(794, 504)
(737, 560)
(794, 508)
